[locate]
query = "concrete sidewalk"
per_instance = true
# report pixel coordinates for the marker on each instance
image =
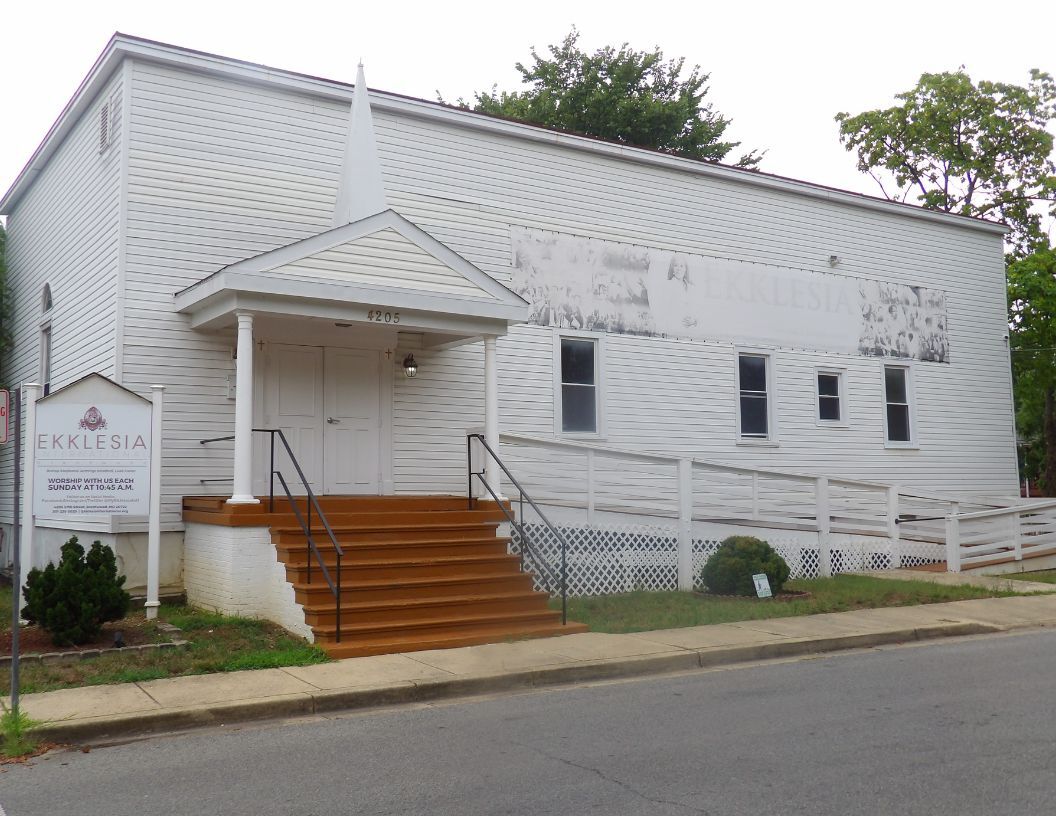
(105, 712)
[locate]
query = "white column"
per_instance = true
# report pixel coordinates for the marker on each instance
(242, 492)
(157, 399)
(491, 411)
(29, 411)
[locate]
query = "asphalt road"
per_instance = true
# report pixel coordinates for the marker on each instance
(965, 727)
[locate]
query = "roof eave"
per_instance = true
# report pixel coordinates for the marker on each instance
(122, 45)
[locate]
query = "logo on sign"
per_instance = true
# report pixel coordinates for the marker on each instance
(93, 420)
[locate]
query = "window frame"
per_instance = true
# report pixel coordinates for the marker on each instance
(911, 407)
(841, 376)
(771, 439)
(45, 339)
(599, 384)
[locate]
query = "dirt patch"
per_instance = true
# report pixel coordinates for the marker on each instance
(34, 640)
(784, 595)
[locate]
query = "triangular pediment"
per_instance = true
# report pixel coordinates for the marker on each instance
(382, 258)
(385, 251)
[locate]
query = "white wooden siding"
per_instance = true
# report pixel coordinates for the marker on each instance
(222, 170)
(384, 258)
(64, 232)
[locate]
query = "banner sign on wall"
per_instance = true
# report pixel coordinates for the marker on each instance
(574, 282)
(91, 457)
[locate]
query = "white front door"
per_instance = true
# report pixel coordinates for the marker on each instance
(328, 404)
(352, 430)
(293, 402)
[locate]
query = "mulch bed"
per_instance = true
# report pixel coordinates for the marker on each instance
(34, 640)
(785, 595)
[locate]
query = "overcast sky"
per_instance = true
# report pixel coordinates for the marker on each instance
(780, 70)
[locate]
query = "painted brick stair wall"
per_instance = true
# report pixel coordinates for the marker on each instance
(419, 572)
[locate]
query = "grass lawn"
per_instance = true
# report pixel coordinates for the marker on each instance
(218, 644)
(644, 611)
(1043, 577)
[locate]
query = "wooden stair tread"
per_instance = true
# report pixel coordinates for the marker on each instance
(426, 561)
(351, 629)
(351, 649)
(443, 600)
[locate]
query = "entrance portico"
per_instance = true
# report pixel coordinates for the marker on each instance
(328, 310)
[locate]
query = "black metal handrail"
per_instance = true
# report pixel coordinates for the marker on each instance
(522, 537)
(306, 525)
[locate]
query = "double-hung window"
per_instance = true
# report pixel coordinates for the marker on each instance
(754, 399)
(831, 410)
(898, 408)
(579, 400)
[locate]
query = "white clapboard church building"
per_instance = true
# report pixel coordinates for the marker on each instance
(660, 351)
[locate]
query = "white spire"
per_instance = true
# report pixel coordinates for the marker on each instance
(359, 190)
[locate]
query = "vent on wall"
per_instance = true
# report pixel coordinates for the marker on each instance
(108, 123)
(104, 127)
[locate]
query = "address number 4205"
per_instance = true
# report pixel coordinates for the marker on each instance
(378, 316)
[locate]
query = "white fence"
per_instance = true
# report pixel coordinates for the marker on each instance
(1001, 536)
(636, 520)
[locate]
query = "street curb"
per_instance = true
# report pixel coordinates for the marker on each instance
(404, 692)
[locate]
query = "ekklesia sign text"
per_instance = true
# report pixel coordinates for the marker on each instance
(91, 459)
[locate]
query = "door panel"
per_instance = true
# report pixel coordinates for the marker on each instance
(352, 427)
(293, 402)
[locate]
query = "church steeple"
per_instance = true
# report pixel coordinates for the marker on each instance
(360, 191)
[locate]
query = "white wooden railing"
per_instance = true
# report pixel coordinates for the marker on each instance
(988, 537)
(601, 480)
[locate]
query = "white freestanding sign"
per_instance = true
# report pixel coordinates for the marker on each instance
(91, 458)
(93, 448)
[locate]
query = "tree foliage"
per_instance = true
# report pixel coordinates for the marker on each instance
(1032, 324)
(960, 147)
(629, 96)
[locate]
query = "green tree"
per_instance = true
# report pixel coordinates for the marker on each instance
(634, 97)
(1032, 323)
(960, 147)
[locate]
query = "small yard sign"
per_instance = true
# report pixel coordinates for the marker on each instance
(762, 586)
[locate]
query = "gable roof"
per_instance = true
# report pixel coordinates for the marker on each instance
(123, 45)
(382, 258)
(97, 387)
(381, 251)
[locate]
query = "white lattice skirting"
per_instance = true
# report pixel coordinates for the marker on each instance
(610, 557)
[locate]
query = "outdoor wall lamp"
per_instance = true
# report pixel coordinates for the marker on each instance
(410, 367)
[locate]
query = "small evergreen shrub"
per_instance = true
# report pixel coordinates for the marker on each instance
(730, 569)
(73, 600)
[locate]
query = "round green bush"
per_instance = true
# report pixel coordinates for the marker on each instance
(73, 600)
(730, 569)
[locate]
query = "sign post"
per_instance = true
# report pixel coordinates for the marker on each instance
(5, 415)
(16, 556)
